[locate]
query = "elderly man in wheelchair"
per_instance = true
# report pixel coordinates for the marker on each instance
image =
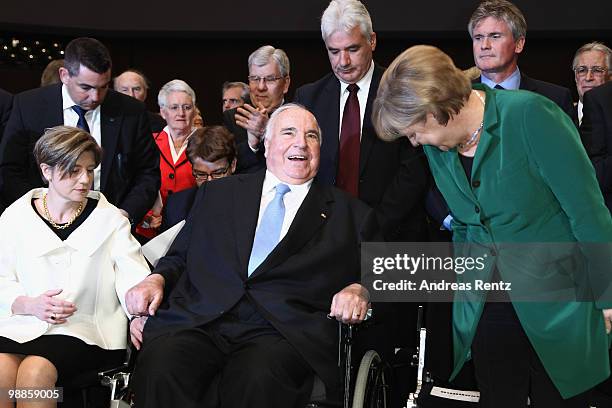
(236, 314)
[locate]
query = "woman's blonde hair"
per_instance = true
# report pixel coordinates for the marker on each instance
(421, 80)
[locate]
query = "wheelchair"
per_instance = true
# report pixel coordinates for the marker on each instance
(366, 387)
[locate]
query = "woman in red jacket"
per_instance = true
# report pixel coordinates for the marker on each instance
(176, 101)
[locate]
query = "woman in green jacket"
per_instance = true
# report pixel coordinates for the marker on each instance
(513, 172)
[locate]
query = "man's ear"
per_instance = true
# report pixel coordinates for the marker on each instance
(233, 166)
(519, 45)
(64, 75)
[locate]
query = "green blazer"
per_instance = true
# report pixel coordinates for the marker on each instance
(532, 182)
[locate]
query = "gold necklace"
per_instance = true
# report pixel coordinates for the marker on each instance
(472, 140)
(53, 223)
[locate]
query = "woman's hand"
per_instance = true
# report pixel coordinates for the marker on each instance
(155, 221)
(45, 307)
(608, 319)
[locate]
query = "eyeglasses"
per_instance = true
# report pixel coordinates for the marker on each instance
(254, 79)
(176, 108)
(232, 101)
(582, 70)
(217, 174)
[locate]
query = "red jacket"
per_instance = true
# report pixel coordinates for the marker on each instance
(174, 176)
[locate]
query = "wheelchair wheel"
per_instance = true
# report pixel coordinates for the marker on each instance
(371, 383)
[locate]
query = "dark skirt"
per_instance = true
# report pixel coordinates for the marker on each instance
(70, 356)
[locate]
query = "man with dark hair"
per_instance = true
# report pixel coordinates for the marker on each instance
(129, 173)
(212, 153)
(133, 83)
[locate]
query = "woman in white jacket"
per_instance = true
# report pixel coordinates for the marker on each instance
(67, 257)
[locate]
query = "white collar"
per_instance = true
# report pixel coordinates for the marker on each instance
(271, 181)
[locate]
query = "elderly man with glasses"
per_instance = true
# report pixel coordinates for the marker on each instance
(268, 83)
(591, 66)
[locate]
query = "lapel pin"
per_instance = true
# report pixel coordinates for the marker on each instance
(323, 216)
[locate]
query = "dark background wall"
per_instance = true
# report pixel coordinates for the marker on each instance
(208, 43)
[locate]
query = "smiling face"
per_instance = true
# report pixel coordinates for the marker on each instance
(74, 184)
(293, 146)
(178, 112)
(87, 89)
(350, 54)
(495, 49)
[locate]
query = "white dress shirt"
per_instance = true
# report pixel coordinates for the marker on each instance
(292, 199)
(362, 95)
(176, 154)
(71, 118)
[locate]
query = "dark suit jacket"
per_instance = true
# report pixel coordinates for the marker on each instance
(130, 176)
(206, 268)
(392, 176)
(156, 121)
(177, 207)
(596, 132)
(246, 160)
(6, 102)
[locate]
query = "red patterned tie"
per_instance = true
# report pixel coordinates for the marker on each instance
(348, 159)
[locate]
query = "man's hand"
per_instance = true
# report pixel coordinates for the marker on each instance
(145, 298)
(136, 328)
(351, 304)
(608, 319)
(254, 120)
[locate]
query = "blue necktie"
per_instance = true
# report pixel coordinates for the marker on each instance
(82, 123)
(268, 233)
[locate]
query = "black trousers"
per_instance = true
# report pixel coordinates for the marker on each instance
(237, 361)
(508, 370)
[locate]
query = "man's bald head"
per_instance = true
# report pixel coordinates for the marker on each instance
(132, 83)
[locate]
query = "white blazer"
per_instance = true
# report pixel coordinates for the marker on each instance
(95, 267)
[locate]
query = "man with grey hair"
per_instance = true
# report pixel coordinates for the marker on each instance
(234, 95)
(392, 178)
(498, 30)
(244, 313)
(133, 83)
(268, 83)
(591, 66)
(129, 173)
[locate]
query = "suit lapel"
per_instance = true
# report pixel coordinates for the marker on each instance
(110, 122)
(246, 202)
(368, 135)
(330, 117)
(312, 215)
(53, 110)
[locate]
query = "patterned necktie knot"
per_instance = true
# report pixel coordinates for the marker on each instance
(353, 88)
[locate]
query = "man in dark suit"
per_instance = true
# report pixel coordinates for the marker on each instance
(498, 30)
(249, 281)
(129, 173)
(596, 132)
(390, 177)
(269, 81)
